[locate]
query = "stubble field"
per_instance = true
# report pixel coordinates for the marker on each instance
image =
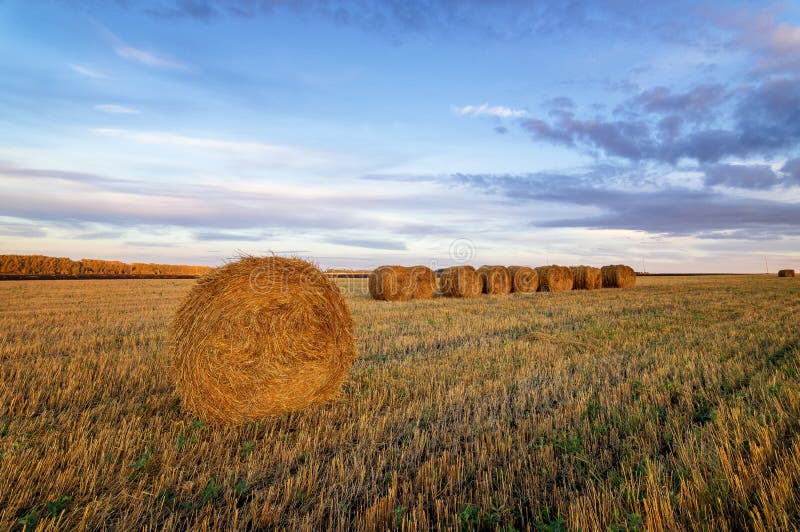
(675, 404)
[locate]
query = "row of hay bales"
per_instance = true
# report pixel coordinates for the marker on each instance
(402, 283)
(786, 273)
(265, 335)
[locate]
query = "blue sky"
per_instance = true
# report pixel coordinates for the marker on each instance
(362, 133)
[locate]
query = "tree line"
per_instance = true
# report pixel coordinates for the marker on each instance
(34, 265)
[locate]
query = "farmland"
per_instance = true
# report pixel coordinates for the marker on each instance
(674, 404)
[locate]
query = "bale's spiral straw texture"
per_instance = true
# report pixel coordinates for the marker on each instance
(554, 278)
(786, 273)
(391, 283)
(424, 282)
(586, 278)
(258, 337)
(460, 281)
(523, 279)
(618, 276)
(495, 279)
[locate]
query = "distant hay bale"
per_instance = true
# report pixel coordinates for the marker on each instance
(586, 278)
(391, 283)
(554, 278)
(786, 273)
(423, 280)
(495, 279)
(260, 336)
(523, 279)
(460, 281)
(618, 276)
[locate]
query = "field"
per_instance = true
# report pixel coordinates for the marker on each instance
(675, 404)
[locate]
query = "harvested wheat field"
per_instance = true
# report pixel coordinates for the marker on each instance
(672, 405)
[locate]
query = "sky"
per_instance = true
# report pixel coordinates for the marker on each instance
(661, 135)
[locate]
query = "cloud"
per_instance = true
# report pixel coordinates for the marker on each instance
(662, 126)
(752, 176)
(117, 109)
(400, 178)
(367, 243)
(99, 235)
(10, 170)
(560, 102)
(485, 109)
(86, 71)
(500, 20)
(195, 9)
(264, 153)
(215, 212)
(791, 170)
(695, 104)
(774, 45)
(149, 244)
(205, 236)
(138, 55)
(21, 230)
(671, 210)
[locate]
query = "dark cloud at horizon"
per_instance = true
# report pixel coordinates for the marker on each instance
(670, 210)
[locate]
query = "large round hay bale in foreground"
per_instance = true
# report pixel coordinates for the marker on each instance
(554, 278)
(423, 280)
(258, 337)
(586, 278)
(786, 273)
(495, 279)
(523, 279)
(618, 276)
(391, 283)
(460, 281)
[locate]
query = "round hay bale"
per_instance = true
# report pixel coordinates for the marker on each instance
(586, 278)
(460, 281)
(554, 278)
(391, 283)
(260, 336)
(523, 279)
(495, 279)
(618, 276)
(786, 273)
(423, 280)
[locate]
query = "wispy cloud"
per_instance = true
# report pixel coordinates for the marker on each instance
(497, 111)
(391, 245)
(115, 109)
(224, 236)
(262, 152)
(21, 230)
(138, 55)
(86, 71)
